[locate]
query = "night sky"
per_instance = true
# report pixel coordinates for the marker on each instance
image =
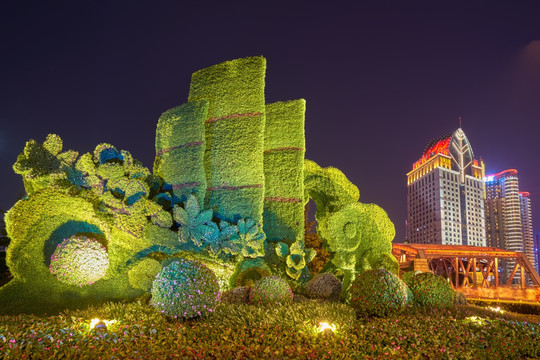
(380, 80)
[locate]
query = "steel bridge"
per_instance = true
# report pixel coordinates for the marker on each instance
(473, 270)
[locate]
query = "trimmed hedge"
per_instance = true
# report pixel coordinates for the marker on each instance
(378, 292)
(270, 290)
(180, 145)
(431, 290)
(284, 148)
(185, 288)
(234, 132)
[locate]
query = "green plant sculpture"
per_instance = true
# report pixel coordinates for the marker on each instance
(358, 236)
(228, 189)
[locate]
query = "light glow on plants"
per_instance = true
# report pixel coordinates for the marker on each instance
(324, 326)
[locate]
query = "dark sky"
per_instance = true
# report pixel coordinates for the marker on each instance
(381, 79)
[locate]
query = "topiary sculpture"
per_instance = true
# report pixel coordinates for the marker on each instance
(79, 261)
(185, 288)
(270, 290)
(378, 292)
(295, 257)
(142, 275)
(429, 289)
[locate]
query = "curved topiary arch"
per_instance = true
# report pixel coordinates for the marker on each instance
(35, 225)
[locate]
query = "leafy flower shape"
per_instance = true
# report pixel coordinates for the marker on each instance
(41, 165)
(295, 256)
(227, 231)
(249, 238)
(196, 226)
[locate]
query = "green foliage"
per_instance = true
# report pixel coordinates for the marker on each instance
(270, 290)
(250, 271)
(142, 275)
(185, 288)
(431, 290)
(36, 226)
(328, 187)
(292, 315)
(44, 165)
(296, 257)
(196, 225)
(459, 298)
(180, 144)
(79, 261)
(234, 136)
(378, 292)
(270, 332)
(250, 238)
(284, 148)
(122, 185)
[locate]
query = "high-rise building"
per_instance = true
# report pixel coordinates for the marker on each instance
(526, 221)
(537, 252)
(508, 215)
(445, 198)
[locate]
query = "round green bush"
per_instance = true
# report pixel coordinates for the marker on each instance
(79, 260)
(270, 290)
(378, 292)
(459, 298)
(185, 288)
(431, 290)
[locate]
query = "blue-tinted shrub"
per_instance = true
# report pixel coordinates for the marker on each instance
(79, 261)
(378, 292)
(185, 288)
(270, 290)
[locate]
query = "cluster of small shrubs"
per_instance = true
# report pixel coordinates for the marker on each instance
(79, 261)
(378, 292)
(185, 288)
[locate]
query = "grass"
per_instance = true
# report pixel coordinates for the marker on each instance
(276, 332)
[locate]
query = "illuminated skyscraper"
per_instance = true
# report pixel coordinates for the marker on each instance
(537, 252)
(445, 198)
(508, 215)
(526, 221)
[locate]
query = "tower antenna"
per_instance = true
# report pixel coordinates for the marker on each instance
(459, 118)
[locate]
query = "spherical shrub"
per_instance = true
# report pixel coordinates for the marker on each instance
(324, 286)
(185, 288)
(270, 290)
(79, 261)
(459, 298)
(378, 292)
(431, 290)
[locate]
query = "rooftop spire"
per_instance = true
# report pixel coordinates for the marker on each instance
(459, 118)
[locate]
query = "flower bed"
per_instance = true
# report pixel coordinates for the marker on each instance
(252, 332)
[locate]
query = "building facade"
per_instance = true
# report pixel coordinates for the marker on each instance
(508, 215)
(445, 197)
(527, 227)
(537, 252)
